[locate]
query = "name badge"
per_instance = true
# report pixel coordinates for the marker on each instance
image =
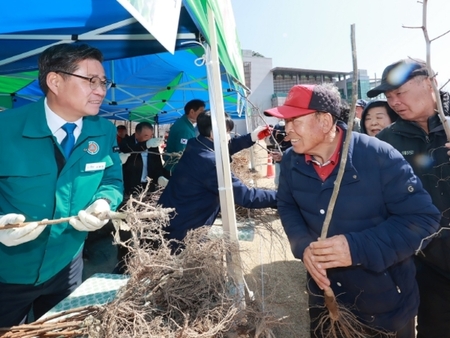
(95, 166)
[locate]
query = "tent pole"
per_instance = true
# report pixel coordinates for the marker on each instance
(222, 160)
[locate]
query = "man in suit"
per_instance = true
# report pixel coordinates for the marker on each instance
(62, 163)
(144, 159)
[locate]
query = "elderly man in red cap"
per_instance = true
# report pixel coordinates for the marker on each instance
(419, 135)
(381, 215)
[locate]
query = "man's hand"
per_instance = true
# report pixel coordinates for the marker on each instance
(331, 252)
(124, 157)
(325, 254)
(154, 142)
(16, 236)
(260, 133)
(315, 270)
(87, 221)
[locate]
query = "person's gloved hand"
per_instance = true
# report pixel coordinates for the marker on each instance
(87, 221)
(162, 181)
(124, 157)
(16, 236)
(260, 133)
(154, 142)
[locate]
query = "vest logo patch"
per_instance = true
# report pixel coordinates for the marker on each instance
(93, 148)
(183, 141)
(407, 152)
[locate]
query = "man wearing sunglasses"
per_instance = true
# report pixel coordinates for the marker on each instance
(57, 160)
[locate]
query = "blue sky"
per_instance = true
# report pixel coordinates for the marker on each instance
(316, 33)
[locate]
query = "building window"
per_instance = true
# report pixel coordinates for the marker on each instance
(248, 74)
(282, 83)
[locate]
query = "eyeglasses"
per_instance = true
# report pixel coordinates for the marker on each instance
(94, 82)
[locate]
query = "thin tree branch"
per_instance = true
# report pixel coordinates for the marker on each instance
(104, 216)
(431, 73)
(343, 162)
(444, 84)
(440, 36)
(412, 27)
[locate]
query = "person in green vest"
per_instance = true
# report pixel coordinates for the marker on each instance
(181, 131)
(58, 160)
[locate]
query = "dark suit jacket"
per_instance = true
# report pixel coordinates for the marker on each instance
(132, 168)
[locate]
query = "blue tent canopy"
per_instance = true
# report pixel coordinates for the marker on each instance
(29, 27)
(148, 81)
(153, 85)
(161, 84)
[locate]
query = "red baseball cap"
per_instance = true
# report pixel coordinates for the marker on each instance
(307, 99)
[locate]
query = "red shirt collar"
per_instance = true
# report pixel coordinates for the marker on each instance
(325, 170)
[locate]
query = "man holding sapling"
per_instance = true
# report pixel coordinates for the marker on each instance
(381, 215)
(419, 135)
(58, 160)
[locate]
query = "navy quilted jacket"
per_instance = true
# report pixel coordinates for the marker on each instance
(383, 211)
(193, 188)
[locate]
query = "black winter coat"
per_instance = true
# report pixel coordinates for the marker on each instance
(427, 155)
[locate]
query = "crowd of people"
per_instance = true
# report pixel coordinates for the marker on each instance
(393, 202)
(386, 252)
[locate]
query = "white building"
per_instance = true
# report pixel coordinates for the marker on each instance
(269, 86)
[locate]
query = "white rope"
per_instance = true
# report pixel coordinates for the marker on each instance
(261, 261)
(200, 61)
(263, 295)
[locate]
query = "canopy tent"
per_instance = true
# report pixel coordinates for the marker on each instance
(10, 85)
(161, 84)
(221, 30)
(140, 96)
(29, 26)
(144, 87)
